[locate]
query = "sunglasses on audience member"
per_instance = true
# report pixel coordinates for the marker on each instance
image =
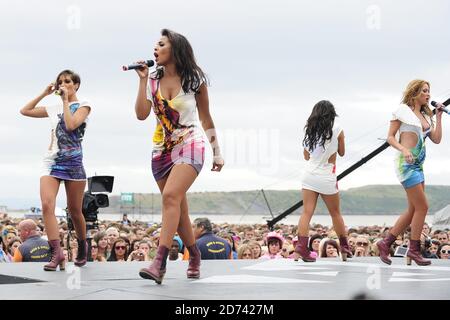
(120, 247)
(445, 251)
(361, 244)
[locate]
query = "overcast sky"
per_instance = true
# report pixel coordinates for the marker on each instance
(269, 62)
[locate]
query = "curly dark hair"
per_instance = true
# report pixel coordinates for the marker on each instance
(319, 127)
(191, 74)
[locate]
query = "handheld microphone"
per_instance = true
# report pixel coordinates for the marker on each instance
(149, 63)
(445, 103)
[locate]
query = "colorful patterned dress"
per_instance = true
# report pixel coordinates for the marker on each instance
(177, 138)
(411, 174)
(64, 159)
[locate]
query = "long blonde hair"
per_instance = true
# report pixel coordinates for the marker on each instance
(244, 247)
(413, 90)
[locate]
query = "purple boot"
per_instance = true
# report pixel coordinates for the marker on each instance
(157, 269)
(302, 249)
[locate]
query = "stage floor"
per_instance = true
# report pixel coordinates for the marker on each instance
(232, 280)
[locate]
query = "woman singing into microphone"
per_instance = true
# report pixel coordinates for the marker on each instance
(63, 162)
(176, 91)
(413, 121)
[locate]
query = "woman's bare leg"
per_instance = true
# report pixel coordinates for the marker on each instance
(178, 182)
(404, 221)
(333, 204)
(184, 227)
(309, 205)
(416, 195)
(74, 193)
(49, 187)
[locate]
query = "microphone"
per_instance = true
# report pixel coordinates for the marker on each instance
(57, 91)
(149, 63)
(445, 103)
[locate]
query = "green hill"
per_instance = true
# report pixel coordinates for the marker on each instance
(374, 199)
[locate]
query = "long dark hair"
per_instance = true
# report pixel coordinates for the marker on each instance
(319, 127)
(191, 74)
(113, 256)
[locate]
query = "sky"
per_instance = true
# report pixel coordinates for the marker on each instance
(268, 63)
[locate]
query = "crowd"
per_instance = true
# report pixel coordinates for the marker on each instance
(25, 240)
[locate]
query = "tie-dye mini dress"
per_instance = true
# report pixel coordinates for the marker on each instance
(64, 158)
(177, 138)
(411, 174)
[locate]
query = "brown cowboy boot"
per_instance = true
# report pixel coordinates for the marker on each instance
(414, 254)
(81, 258)
(345, 249)
(57, 257)
(302, 249)
(384, 246)
(157, 269)
(193, 270)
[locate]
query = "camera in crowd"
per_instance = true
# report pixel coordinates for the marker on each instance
(138, 256)
(94, 198)
(428, 242)
(401, 251)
